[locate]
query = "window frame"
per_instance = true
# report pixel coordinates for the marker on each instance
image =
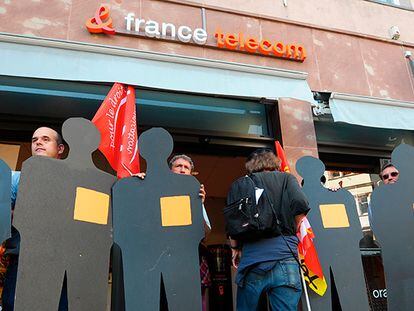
(398, 6)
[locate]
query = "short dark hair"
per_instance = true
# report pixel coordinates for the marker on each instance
(181, 156)
(260, 160)
(59, 139)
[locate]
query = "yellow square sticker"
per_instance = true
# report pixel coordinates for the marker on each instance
(91, 206)
(175, 211)
(334, 216)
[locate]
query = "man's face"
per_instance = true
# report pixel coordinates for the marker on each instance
(389, 175)
(181, 166)
(44, 143)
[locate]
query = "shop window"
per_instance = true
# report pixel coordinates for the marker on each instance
(196, 114)
(204, 113)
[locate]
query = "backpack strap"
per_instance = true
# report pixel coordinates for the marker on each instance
(284, 194)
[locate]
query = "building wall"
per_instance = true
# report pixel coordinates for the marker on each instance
(347, 49)
(359, 16)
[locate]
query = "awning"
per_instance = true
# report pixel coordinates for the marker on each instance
(372, 111)
(23, 56)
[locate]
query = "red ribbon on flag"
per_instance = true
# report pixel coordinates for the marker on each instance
(116, 120)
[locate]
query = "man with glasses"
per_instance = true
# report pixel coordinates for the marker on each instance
(389, 175)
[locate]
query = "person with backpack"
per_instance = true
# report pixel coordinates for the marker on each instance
(263, 212)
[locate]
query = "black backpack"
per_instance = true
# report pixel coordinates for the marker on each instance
(245, 220)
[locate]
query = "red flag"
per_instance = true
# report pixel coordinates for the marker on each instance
(307, 252)
(307, 248)
(116, 120)
(284, 166)
(309, 258)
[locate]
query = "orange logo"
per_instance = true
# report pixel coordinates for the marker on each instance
(101, 22)
(240, 42)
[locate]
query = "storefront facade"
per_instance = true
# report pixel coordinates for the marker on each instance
(224, 78)
(286, 59)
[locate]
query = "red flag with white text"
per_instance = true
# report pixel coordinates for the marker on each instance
(116, 120)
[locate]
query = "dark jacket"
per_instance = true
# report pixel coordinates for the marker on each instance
(286, 195)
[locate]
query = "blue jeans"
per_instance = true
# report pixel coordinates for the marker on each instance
(282, 284)
(10, 289)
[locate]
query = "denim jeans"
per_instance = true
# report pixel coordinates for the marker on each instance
(282, 284)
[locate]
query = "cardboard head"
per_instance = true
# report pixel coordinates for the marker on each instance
(81, 135)
(402, 157)
(310, 167)
(155, 142)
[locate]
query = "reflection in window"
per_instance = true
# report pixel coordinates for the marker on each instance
(400, 3)
(185, 111)
(362, 201)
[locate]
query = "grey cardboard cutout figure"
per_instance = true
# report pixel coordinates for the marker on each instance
(393, 224)
(63, 216)
(158, 224)
(5, 201)
(337, 230)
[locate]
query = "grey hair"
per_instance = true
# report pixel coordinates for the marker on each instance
(386, 165)
(181, 156)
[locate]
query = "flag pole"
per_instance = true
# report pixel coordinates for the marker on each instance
(305, 289)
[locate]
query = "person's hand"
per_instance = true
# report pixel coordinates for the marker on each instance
(235, 257)
(202, 193)
(139, 175)
(298, 221)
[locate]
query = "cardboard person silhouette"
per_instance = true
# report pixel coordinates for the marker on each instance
(158, 224)
(393, 224)
(337, 230)
(5, 201)
(63, 216)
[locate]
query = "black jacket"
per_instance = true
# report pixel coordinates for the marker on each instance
(287, 197)
(282, 190)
